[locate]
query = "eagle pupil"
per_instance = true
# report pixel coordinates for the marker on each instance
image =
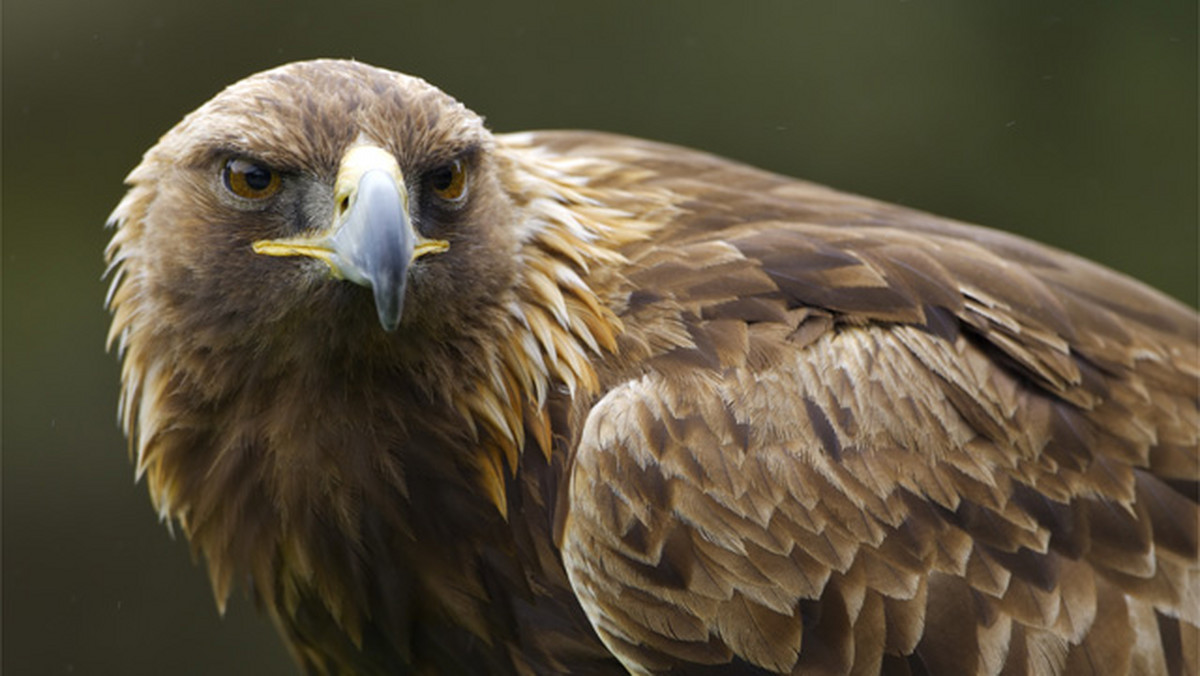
(442, 178)
(258, 178)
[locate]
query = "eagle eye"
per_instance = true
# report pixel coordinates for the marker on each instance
(250, 180)
(449, 182)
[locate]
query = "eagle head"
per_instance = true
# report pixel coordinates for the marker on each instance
(251, 209)
(306, 263)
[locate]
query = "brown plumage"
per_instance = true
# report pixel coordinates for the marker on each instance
(567, 402)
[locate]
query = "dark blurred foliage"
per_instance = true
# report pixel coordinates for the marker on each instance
(1073, 123)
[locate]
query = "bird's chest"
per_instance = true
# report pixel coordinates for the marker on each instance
(433, 576)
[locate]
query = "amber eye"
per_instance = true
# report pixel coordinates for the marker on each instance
(450, 182)
(250, 180)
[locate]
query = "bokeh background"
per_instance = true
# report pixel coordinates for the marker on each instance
(1073, 123)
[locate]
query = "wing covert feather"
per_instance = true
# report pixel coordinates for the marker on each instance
(723, 501)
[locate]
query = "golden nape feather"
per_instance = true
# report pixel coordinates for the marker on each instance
(575, 403)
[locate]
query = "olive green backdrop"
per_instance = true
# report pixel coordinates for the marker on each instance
(1070, 122)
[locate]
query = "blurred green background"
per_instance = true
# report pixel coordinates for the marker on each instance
(1073, 123)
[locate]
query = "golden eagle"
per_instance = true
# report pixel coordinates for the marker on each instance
(447, 401)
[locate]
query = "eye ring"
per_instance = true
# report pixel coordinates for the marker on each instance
(449, 182)
(250, 180)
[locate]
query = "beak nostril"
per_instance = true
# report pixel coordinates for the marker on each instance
(343, 206)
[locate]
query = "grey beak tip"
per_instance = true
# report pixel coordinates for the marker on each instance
(390, 308)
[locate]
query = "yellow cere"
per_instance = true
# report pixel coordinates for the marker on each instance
(357, 161)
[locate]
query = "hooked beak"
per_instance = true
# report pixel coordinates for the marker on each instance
(371, 241)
